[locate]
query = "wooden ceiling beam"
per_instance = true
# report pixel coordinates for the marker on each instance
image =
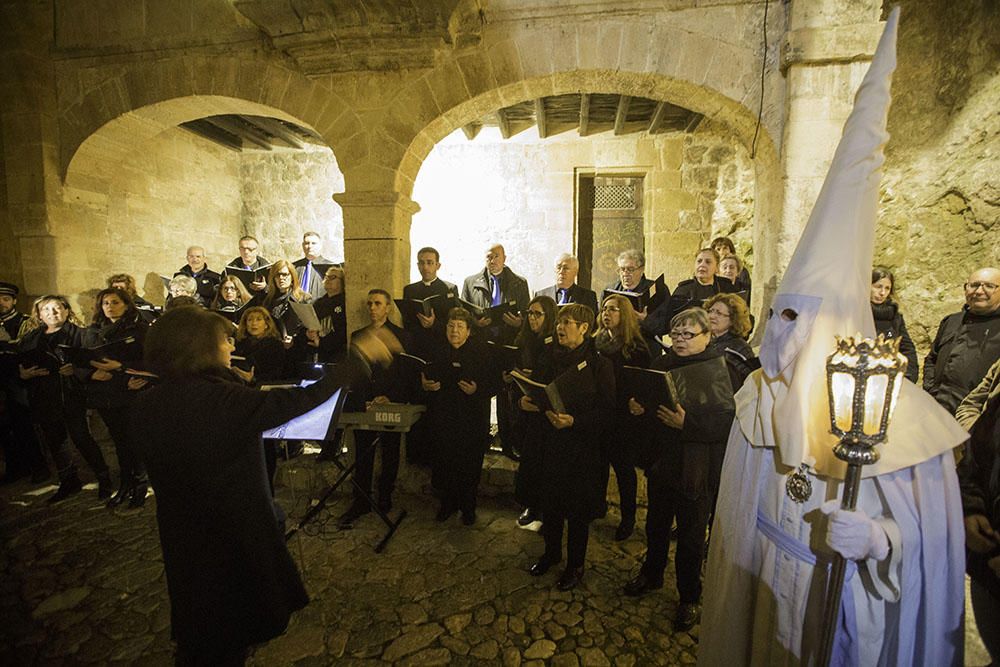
(275, 128)
(471, 130)
(206, 130)
(693, 121)
(233, 126)
(584, 114)
(503, 123)
(540, 120)
(657, 119)
(621, 114)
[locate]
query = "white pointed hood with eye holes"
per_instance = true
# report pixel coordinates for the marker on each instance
(826, 292)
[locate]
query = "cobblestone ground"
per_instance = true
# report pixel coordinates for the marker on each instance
(83, 584)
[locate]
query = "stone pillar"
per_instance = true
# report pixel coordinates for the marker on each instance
(376, 246)
(29, 132)
(825, 55)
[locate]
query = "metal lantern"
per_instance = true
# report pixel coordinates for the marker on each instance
(863, 381)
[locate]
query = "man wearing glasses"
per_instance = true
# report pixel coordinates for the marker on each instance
(632, 278)
(967, 342)
(566, 290)
(250, 261)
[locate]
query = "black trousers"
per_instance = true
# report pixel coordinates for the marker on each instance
(628, 487)
(53, 429)
(577, 536)
(364, 462)
(22, 453)
(528, 480)
(130, 466)
(665, 504)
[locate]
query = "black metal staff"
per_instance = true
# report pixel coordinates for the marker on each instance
(863, 382)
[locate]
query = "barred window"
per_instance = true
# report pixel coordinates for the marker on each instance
(614, 197)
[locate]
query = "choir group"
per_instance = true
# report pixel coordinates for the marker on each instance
(642, 377)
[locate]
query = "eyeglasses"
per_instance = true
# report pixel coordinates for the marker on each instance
(535, 314)
(628, 269)
(611, 309)
(563, 321)
(989, 288)
(284, 274)
(684, 335)
(718, 312)
(243, 247)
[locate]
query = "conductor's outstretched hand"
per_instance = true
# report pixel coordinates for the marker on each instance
(377, 345)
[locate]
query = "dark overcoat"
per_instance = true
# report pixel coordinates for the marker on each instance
(572, 465)
(231, 580)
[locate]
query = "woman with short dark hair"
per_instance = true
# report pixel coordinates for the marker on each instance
(889, 320)
(231, 580)
(111, 391)
(458, 408)
(56, 395)
(572, 464)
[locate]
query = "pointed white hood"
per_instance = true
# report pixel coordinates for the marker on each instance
(826, 292)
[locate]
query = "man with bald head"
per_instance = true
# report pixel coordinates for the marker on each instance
(494, 285)
(566, 290)
(197, 268)
(967, 342)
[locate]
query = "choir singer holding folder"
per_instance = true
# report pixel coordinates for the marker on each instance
(231, 580)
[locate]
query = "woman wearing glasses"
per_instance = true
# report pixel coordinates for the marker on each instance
(677, 483)
(535, 340)
(330, 342)
(729, 323)
(283, 287)
(571, 445)
(619, 340)
(231, 297)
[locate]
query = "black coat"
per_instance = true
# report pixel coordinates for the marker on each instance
(889, 322)
(207, 280)
(266, 356)
(461, 422)
(739, 357)
(655, 323)
(476, 290)
(425, 341)
(572, 464)
(620, 442)
(685, 455)
(965, 347)
(979, 480)
(48, 395)
(114, 393)
(230, 577)
(332, 313)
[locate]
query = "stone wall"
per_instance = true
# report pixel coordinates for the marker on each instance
(522, 192)
(940, 216)
(285, 194)
(174, 191)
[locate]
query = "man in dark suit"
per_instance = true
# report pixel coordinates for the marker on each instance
(566, 290)
(425, 330)
(250, 261)
(494, 285)
(632, 278)
(196, 267)
(427, 333)
(386, 386)
(312, 268)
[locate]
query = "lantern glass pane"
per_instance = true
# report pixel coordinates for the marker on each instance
(897, 385)
(843, 395)
(875, 402)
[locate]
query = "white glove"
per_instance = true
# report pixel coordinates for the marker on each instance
(853, 534)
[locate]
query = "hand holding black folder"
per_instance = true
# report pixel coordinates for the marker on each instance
(567, 391)
(82, 356)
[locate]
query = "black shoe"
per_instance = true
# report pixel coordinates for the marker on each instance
(542, 566)
(468, 517)
(624, 531)
(138, 496)
(641, 585)
(121, 495)
(444, 513)
(356, 510)
(570, 579)
(528, 517)
(67, 488)
(687, 616)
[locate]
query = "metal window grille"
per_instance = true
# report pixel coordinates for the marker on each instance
(614, 197)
